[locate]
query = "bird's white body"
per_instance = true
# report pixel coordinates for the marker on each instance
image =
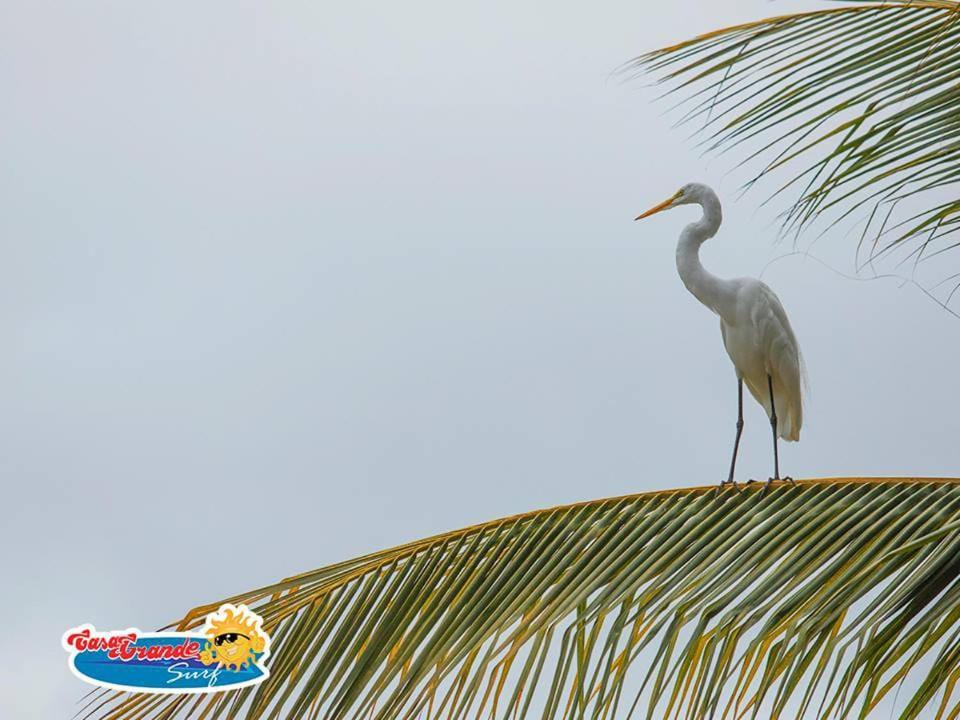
(756, 332)
(761, 343)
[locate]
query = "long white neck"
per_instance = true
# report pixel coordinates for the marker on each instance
(712, 291)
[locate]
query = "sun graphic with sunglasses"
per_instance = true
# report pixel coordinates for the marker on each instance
(235, 638)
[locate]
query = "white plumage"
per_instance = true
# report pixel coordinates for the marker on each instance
(755, 329)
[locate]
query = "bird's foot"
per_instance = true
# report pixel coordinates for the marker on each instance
(724, 484)
(790, 480)
(767, 484)
(764, 483)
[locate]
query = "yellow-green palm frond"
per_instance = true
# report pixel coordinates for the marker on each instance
(815, 599)
(865, 97)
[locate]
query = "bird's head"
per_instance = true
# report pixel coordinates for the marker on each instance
(688, 194)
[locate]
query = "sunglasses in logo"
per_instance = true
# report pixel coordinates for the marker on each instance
(228, 638)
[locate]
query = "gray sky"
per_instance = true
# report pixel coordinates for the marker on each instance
(335, 276)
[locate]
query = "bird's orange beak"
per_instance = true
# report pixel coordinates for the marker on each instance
(657, 208)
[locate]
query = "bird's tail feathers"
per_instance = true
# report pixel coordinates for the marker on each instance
(788, 424)
(789, 410)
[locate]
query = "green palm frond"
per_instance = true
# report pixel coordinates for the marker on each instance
(865, 97)
(814, 599)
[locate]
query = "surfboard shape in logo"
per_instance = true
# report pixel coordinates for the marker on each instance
(229, 652)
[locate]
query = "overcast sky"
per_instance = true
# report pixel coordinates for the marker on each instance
(284, 283)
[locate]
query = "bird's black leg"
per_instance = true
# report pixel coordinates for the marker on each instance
(736, 442)
(773, 425)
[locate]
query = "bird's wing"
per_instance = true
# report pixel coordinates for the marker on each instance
(781, 351)
(778, 328)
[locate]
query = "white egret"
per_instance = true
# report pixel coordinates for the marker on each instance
(753, 324)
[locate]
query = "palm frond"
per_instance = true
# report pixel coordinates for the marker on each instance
(865, 96)
(816, 599)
